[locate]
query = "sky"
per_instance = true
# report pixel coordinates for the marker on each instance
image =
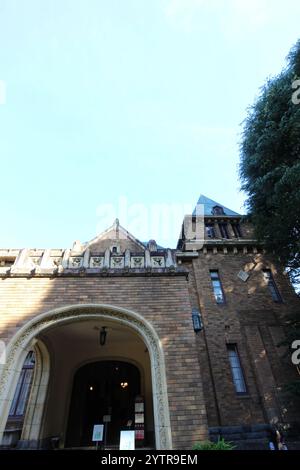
(129, 109)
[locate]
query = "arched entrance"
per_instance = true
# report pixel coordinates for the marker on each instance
(104, 388)
(39, 327)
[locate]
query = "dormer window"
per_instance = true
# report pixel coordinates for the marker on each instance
(218, 210)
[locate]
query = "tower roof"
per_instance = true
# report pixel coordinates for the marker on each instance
(209, 204)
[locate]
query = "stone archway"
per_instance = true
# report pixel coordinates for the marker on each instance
(76, 313)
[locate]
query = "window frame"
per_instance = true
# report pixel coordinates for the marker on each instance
(223, 227)
(20, 387)
(218, 279)
(233, 347)
(218, 210)
(210, 228)
(272, 286)
(236, 228)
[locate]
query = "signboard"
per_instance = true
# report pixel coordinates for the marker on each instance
(127, 440)
(139, 420)
(106, 418)
(243, 275)
(98, 432)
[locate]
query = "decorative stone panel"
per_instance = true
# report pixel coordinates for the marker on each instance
(97, 262)
(157, 262)
(117, 262)
(137, 262)
(75, 262)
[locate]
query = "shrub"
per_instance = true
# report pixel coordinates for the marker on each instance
(208, 445)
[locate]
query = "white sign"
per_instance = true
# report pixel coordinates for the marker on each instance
(106, 418)
(98, 432)
(127, 440)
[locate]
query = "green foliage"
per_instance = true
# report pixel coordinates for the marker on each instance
(270, 165)
(208, 445)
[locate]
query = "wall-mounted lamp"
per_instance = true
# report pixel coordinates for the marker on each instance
(102, 337)
(197, 321)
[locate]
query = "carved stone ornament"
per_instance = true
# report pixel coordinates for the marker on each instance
(75, 262)
(96, 262)
(137, 262)
(158, 261)
(117, 262)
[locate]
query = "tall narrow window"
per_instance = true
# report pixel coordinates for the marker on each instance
(21, 395)
(272, 285)
(237, 230)
(236, 369)
(223, 230)
(217, 287)
(210, 230)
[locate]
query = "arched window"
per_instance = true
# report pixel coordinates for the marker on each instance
(18, 406)
(14, 425)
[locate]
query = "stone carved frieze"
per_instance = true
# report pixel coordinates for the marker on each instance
(117, 262)
(137, 262)
(96, 261)
(75, 262)
(158, 261)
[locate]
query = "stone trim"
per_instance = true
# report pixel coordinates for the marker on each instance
(83, 312)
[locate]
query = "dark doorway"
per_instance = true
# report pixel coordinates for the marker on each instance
(99, 389)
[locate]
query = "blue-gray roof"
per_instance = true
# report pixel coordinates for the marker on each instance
(209, 204)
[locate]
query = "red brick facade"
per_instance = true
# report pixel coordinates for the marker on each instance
(200, 388)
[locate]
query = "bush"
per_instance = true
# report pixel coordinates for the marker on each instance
(208, 445)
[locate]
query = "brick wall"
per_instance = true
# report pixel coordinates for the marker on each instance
(252, 320)
(162, 300)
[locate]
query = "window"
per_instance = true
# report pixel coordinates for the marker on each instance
(236, 230)
(21, 395)
(218, 210)
(272, 286)
(236, 369)
(217, 287)
(223, 230)
(6, 262)
(210, 230)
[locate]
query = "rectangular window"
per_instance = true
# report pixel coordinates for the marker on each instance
(210, 230)
(223, 230)
(237, 230)
(217, 287)
(236, 369)
(272, 286)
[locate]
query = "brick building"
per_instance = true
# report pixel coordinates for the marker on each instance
(177, 344)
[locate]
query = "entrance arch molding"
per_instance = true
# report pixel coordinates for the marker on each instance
(81, 312)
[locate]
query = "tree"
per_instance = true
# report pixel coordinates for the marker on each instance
(270, 164)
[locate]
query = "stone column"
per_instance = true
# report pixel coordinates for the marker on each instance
(147, 259)
(65, 260)
(169, 261)
(86, 258)
(20, 263)
(127, 259)
(107, 258)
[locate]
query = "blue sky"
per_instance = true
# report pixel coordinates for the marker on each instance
(127, 100)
